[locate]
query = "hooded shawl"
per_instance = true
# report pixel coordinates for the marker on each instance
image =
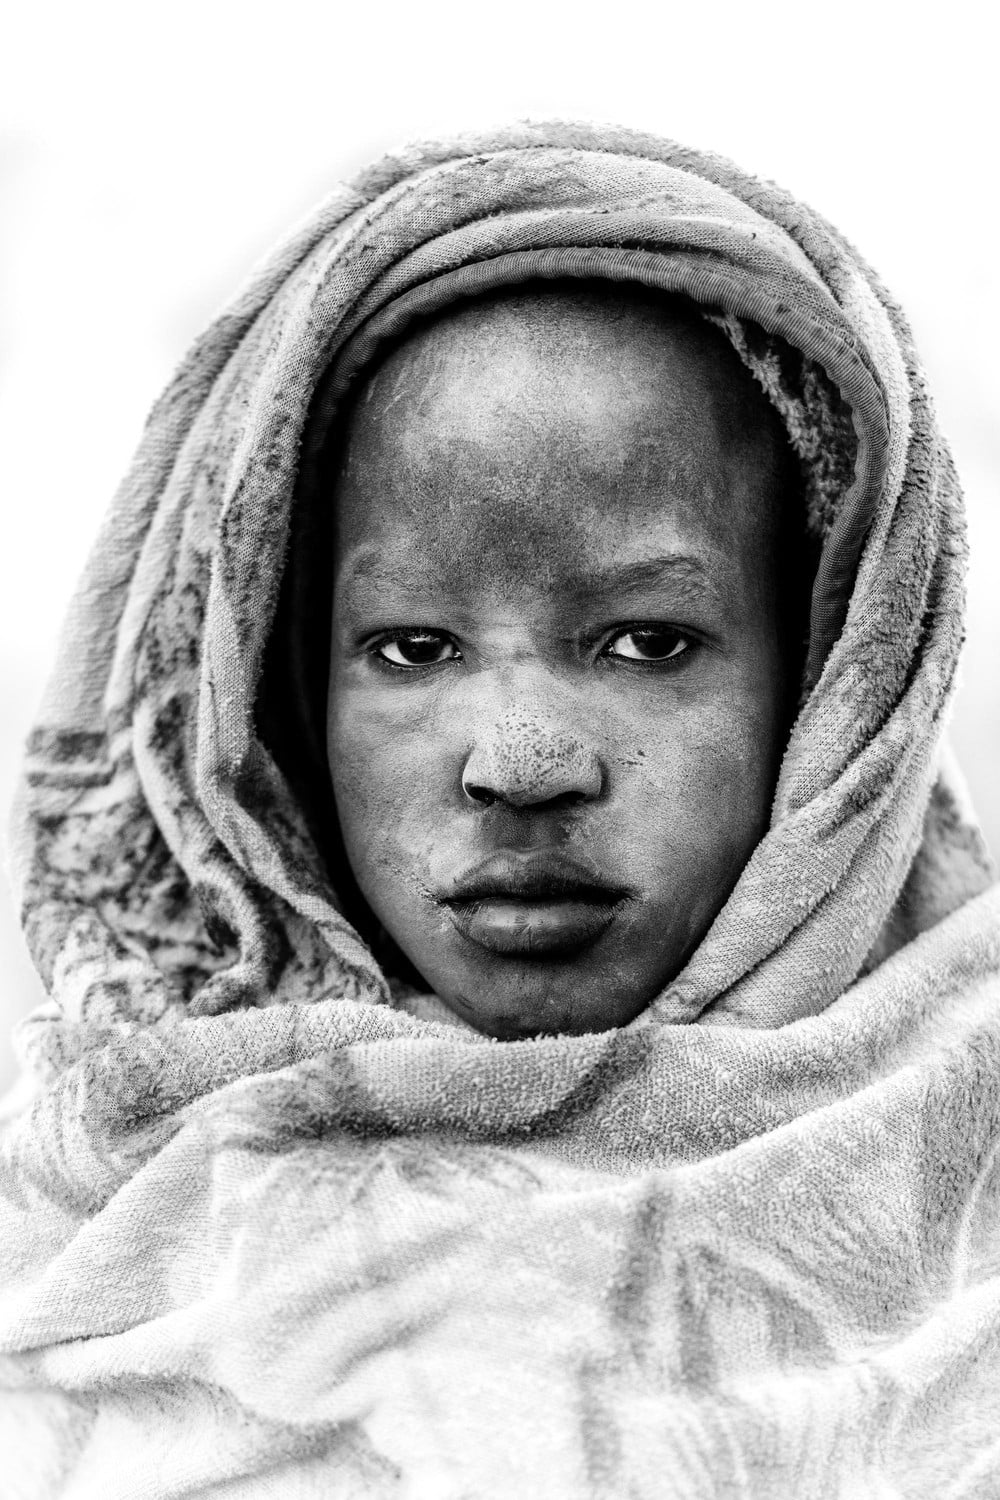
(269, 1230)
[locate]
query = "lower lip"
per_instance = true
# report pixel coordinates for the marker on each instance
(535, 928)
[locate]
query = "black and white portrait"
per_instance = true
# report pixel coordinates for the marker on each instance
(501, 934)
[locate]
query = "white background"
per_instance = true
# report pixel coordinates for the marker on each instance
(149, 155)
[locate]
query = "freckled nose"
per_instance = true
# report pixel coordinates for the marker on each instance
(522, 761)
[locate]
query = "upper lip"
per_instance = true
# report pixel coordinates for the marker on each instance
(538, 876)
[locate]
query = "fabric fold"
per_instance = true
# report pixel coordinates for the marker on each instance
(274, 1233)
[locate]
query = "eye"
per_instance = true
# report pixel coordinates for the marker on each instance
(415, 648)
(649, 643)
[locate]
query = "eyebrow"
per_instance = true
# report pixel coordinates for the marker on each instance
(372, 564)
(369, 564)
(685, 573)
(371, 567)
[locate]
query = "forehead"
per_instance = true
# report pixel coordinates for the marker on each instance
(557, 425)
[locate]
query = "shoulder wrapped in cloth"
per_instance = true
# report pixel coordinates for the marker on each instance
(267, 1232)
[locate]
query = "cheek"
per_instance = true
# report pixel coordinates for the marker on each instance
(389, 776)
(701, 790)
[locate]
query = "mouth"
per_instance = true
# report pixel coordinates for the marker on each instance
(533, 905)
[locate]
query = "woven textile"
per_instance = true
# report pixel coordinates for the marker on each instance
(267, 1231)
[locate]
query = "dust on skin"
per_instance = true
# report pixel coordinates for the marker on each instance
(557, 632)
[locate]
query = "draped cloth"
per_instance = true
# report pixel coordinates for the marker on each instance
(268, 1230)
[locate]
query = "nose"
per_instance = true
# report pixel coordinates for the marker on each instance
(524, 760)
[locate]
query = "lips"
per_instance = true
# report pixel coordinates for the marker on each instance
(532, 905)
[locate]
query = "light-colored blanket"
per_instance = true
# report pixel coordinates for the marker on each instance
(266, 1230)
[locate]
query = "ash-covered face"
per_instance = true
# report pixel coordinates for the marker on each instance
(558, 686)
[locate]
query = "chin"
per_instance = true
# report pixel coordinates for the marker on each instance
(511, 1017)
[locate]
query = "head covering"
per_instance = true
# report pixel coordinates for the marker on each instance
(212, 1009)
(192, 881)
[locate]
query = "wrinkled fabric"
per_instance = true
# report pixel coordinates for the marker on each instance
(269, 1230)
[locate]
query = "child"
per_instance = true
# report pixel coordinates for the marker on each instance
(548, 788)
(525, 989)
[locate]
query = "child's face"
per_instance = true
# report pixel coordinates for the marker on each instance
(558, 684)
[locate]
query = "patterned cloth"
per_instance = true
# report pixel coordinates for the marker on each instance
(271, 1226)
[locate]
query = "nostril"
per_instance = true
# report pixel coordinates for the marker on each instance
(481, 794)
(486, 797)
